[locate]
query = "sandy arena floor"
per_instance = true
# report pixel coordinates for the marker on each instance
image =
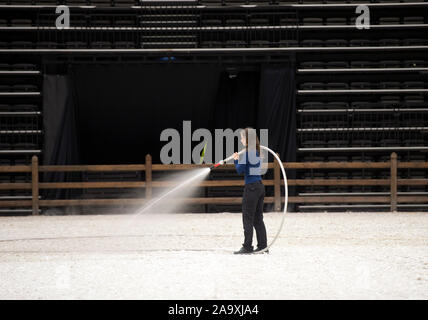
(188, 256)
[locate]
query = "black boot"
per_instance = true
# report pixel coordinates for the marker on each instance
(260, 249)
(244, 250)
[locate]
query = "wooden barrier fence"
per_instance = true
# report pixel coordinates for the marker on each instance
(35, 185)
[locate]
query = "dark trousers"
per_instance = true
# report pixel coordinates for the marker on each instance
(252, 214)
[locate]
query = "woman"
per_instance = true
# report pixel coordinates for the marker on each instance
(249, 163)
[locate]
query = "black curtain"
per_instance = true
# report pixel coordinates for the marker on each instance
(277, 112)
(237, 100)
(122, 109)
(60, 145)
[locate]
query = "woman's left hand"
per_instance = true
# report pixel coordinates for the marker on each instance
(236, 156)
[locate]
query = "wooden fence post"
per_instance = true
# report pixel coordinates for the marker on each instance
(277, 184)
(148, 176)
(35, 184)
(393, 182)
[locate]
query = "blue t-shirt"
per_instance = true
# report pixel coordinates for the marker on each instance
(249, 163)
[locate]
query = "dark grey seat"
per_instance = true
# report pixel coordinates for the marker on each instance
(235, 22)
(312, 86)
(5, 88)
(337, 143)
(359, 43)
(21, 44)
(312, 65)
(288, 43)
(312, 105)
(24, 88)
(389, 20)
(211, 22)
(24, 66)
(312, 43)
(389, 42)
(259, 21)
(75, 45)
(124, 45)
(101, 45)
(363, 64)
(336, 43)
(5, 108)
(361, 105)
(389, 63)
(360, 85)
(46, 45)
(24, 107)
(21, 22)
(415, 42)
(361, 143)
(414, 101)
(235, 44)
(313, 143)
(336, 21)
(337, 85)
(413, 85)
(211, 44)
(336, 105)
(389, 85)
(414, 142)
(413, 63)
(5, 146)
(259, 43)
(124, 23)
(312, 21)
(389, 143)
(413, 20)
(337, 64)
(288, 21)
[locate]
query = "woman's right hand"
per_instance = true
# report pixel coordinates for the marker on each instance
(236, 156)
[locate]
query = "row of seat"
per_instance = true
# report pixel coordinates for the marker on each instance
(180, 20)
(18, 108)
(18, 67)
(178, 2)
(390, 142)
(365, 157)
(19, 124)
(414, 63)
(19, 88)
(71, 2)
(367, 174)
(10, 161)
(18, 146)
(350, 21)
(360, 42)
(363, 85)
(359, 105)
(317, 43)
(203, 44)
(374, 122)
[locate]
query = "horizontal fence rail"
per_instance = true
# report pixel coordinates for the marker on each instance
(277, 182)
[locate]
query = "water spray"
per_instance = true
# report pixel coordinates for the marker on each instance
(285, 195)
